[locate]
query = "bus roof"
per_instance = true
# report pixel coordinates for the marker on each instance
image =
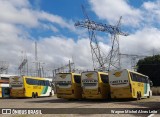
(69, 73)
(34, 77)
(132, 72)
(137, 73)
(100, 72)
(6, 75)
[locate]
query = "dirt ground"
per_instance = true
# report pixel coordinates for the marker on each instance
(97, 105)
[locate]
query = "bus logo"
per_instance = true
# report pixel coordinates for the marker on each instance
(15, 79)
(117, 74)
(89, 75)
(63, 76)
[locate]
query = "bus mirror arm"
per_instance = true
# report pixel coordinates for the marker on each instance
(151, 83)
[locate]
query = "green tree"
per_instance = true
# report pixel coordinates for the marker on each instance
(150, 66)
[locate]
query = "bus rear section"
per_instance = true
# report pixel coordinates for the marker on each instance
(128, 84)
(95, 85)
(17, 88)
(120, 84)
(68, 86)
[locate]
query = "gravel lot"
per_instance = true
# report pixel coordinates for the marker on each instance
(53, 102)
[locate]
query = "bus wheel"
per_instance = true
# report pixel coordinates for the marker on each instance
(138, 96)
(50, 94)
(109, 97)
(149, 95)
(36, 95)
(33, 96)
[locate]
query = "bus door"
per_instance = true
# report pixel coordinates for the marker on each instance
(146, 86)
(5, 92)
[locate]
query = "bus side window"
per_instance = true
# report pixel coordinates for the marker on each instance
(133, 77)
(47, 83)
(104, 78)
(41, 82)
(27, 81)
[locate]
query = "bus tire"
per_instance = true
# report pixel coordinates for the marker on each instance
(137, 95)
(149, 95)
(109, 96)
(50, 94)
(36, 95)
(140, 96)
(33, 96)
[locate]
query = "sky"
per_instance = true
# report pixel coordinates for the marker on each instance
(51, 24)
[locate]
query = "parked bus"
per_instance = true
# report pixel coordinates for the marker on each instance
(27, 86)
(4, 89)
(68, 86)
(4, 85)
(95, 85)
(129, 84)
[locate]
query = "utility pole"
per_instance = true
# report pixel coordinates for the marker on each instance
(61, 69)
(36, 60)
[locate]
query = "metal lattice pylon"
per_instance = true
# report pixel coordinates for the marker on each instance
(112, 60)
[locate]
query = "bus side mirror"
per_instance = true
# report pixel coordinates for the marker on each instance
(151, 83)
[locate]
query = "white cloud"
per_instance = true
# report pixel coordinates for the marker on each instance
(112, 10)
(57, 50)
(21, 12)
(140, 41)
(53, 50)
(152, 11)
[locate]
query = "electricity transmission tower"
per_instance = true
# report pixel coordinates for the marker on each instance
(61, 69)
(113, 58)
(4, 67)
(134, 58)
(23, 67)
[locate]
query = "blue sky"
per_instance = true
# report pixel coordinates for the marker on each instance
(71, 10)
(51, 24)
